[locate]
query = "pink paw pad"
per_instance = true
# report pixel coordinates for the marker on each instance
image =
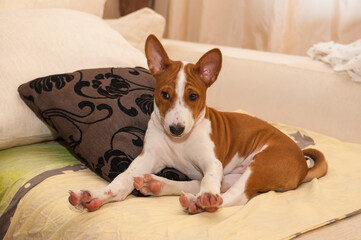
(83, 199)
(138, 182)
(194, 209)
(189, 204)
(73, 198)
(93, 205)
(209, 202)
(184, 201)
(147, 185)
(86, 197)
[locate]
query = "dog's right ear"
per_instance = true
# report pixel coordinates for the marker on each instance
(158, 59)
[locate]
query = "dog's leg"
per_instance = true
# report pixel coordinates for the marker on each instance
(236, 195)
(151, 184)
(228, 181)
(262, 176)
(119, 188)
(191, 204)
(154, 185)
(209, 196)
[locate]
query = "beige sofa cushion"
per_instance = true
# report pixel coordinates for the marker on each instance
(137, 26)
(290, 89)
(50, 41)
(95, 7)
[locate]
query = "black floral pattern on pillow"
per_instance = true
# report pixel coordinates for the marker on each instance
(101, 113)
(47, 83)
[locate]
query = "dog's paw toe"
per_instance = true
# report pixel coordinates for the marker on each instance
(147, 185)
(81, 199)
(188, 202)
(209, 202)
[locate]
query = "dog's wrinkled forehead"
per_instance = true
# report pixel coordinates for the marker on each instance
(181, 83)
(165, 90)
(178, 86)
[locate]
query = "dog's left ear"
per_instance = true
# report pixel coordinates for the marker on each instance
(158, 60)
(209, 66)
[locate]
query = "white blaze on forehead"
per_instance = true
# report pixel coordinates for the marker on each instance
(180, 85)
(180, 113)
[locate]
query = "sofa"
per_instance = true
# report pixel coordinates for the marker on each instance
(304, 98)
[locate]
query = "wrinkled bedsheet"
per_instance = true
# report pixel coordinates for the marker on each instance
(44, 211)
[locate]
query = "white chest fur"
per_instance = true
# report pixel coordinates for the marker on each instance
(189, 155)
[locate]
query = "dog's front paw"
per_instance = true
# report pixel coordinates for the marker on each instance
(209, 202)
(91, 199)
(83, 199)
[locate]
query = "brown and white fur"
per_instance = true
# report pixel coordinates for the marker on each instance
(231, 157)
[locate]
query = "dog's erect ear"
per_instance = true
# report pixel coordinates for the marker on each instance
(158, 60)
(209, 66)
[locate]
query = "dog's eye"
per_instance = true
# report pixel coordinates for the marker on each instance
(165, 95)
(193, 97)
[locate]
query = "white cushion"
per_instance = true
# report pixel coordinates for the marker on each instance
(95, 7)
(37, 43)
(136, 26)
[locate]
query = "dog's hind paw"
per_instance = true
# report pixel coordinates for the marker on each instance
(147, 185)
(209, 202)
(188, 202)
(204, 203)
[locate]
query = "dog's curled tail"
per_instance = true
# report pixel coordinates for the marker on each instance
(319, 169)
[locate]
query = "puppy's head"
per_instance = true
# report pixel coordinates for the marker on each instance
(180, 92)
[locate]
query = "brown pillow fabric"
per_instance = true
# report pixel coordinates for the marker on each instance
(101, 113)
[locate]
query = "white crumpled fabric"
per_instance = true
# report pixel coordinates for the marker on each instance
(341, 57)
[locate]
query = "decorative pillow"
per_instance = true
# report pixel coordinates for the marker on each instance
(137, 26)
(101, 113)
(95, 7)
(49, 41)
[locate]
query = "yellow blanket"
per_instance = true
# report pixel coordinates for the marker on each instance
(44, 212)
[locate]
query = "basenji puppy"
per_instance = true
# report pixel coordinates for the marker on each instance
(230, 157)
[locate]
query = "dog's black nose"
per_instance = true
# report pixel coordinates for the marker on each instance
(176, 130)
